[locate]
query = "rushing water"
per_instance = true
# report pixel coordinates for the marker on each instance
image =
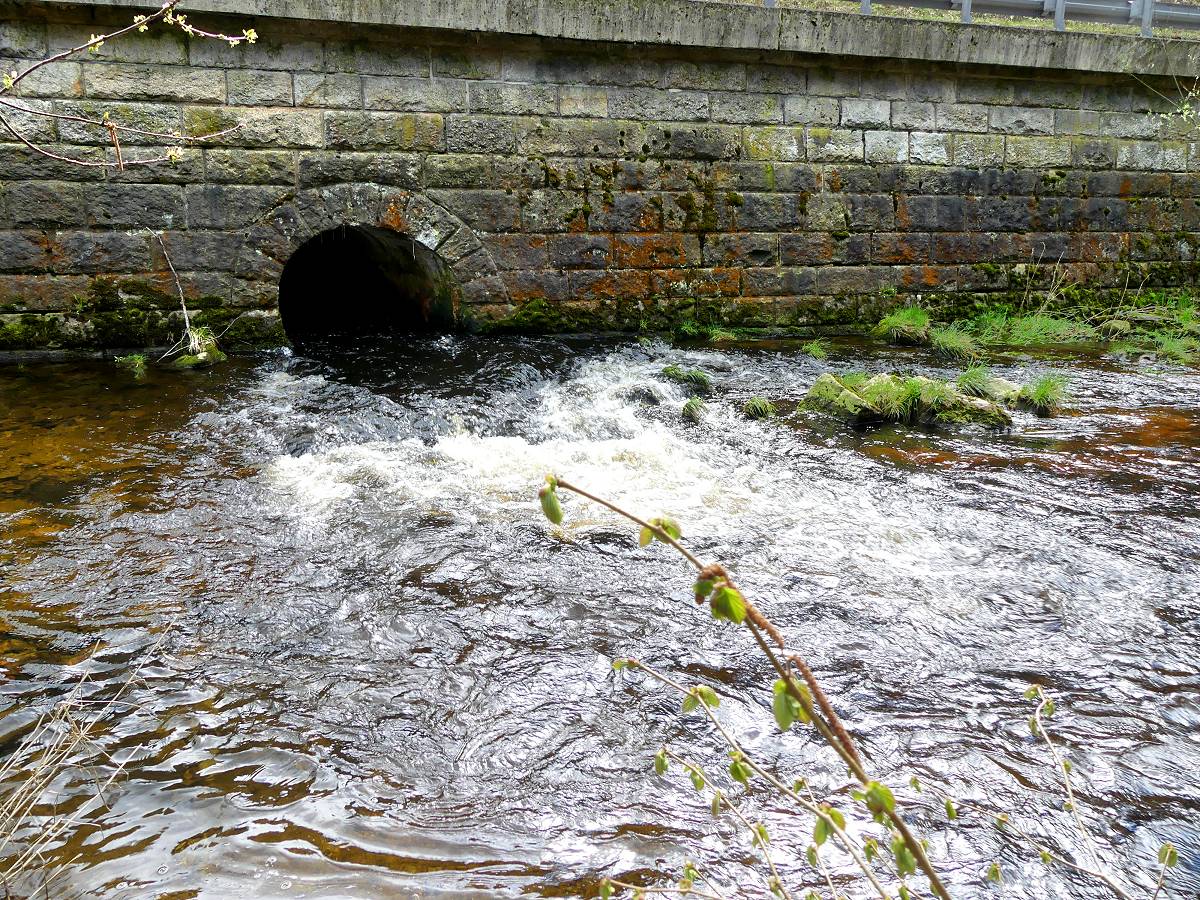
(384, 674)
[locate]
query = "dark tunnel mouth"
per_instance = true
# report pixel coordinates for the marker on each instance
(357, 283)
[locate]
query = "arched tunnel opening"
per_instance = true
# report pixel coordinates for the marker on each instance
(358, 283)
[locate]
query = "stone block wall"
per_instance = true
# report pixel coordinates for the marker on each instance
(611, 186)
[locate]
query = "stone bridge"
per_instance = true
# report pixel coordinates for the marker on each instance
(579, 165)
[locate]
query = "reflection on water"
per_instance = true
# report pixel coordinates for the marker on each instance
(388, 676)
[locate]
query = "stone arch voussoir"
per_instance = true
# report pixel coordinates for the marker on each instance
(269, 243)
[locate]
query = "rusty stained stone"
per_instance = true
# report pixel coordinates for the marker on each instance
(592, 285)
(656, 251)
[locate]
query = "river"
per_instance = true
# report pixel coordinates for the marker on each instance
(364, 665)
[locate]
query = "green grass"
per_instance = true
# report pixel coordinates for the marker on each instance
(974, 381)
(1174, 347)
(954, 343)
(1114, 329)
(697, 379)
(909, 325)
(759, 408)
(990, 327)
(134, 362)
(999, 326)
(691, 330)
(1045, 395)
(936, 395)
(894, 398)
(719, 335)
(817, 349)
(890, 396)
(1039, 328)
(693, 410)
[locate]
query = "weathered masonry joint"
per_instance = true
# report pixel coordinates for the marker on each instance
(582, 165)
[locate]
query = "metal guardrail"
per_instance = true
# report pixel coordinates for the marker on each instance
(1147, 13)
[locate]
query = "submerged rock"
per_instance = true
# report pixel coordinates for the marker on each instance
(200, 360)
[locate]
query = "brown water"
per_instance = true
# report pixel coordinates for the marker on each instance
(387, 676)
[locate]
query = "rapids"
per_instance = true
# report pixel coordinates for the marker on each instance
(366, 666)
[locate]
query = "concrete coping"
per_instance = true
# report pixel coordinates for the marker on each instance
(692, 23)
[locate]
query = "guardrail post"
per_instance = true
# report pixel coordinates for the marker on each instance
(866, 7)
(966, 11)
(1060, 15)
(1147, 18)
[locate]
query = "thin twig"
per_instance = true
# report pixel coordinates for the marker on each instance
(1064, 773)
(835, 736)
(844, 839)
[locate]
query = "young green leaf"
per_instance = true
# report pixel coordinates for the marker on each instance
(550, 505)
(951, 812)
(670, 526)
(880, 799)
(691, 702)
(811, 854)
(697, 778)
(1046, 857)
(905, 893)
(739, 771)
(906, 863)
(708, 696)
(870, 849)
(821, 832)
(783, 707)
(702, 588)
(760, 834)
(728, 604)
(915, 782)
(660, 761)
(716, 804)
(1032, 693)
(606, 890)
(993, 874)
(645, 536)
(1168, 855)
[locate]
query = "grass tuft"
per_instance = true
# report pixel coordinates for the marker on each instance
(719, 335)
(134, 363)
(817, 349)
(975, 381)
(1175, 348)
(697, 379)
(954, 343)
(1039, 328)
(759, 408)
(909, 325)
(1045, 395)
